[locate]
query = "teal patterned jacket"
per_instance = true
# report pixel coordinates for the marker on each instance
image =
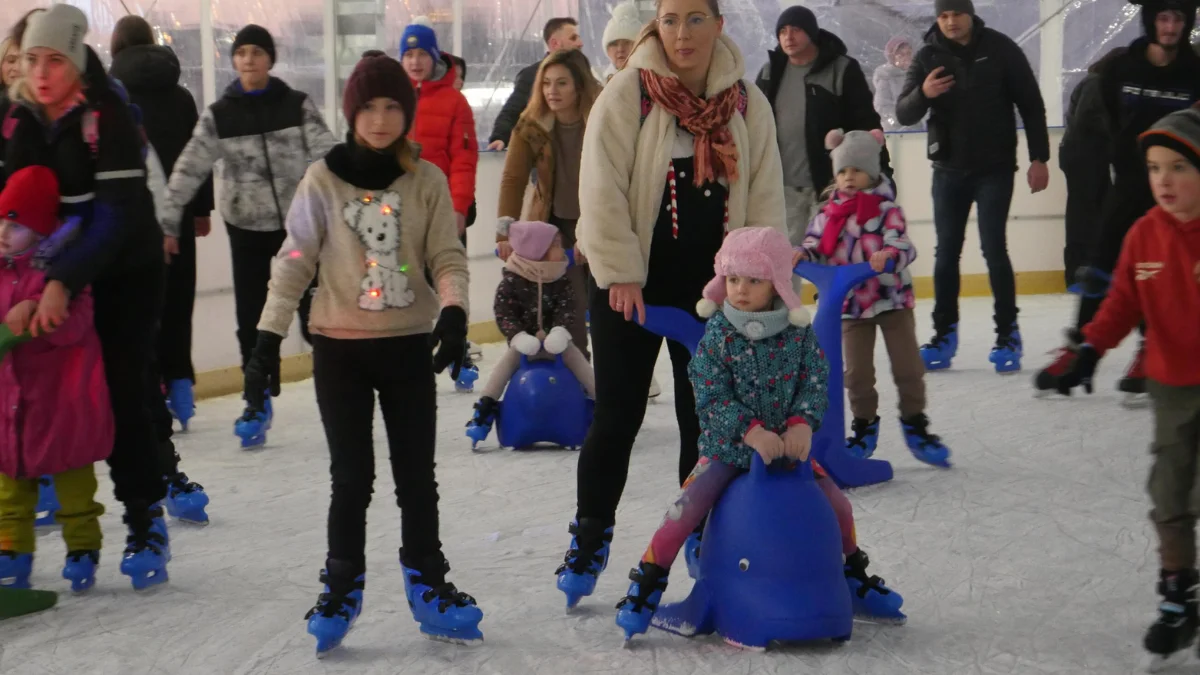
(777, 381)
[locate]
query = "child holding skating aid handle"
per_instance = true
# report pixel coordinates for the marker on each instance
(56, 419)
(861, 222)
(1157, 280)
(761, 386)
(535, 304)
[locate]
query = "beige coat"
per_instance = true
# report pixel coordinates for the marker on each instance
(624, 168)
(531, 147)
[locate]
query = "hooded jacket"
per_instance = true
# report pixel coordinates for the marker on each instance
(974, 121)
(266, 139)
(445, 129)
(838, 97)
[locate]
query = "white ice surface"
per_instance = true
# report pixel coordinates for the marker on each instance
(1033, 555)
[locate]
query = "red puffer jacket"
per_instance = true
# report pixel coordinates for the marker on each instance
(55, 414)
(445, 128)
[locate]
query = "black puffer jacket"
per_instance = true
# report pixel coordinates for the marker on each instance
(150, 74)
(973, 121)
(507, 118)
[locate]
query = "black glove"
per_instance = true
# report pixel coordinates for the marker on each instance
(262, 373)
(1081, 371)
(449, 337)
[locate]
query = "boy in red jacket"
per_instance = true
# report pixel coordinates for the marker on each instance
(1157, 279)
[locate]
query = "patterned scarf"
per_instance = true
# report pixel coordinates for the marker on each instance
(706, 119)
(864, 205)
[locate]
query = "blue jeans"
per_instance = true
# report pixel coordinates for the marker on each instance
(953, 194)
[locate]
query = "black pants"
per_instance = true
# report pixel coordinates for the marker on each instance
(175, 330)
(953, 194)
(1129, 200)
(1088, 183)
(252, 253)
(126, 316)
(624, 355)
(347, 373)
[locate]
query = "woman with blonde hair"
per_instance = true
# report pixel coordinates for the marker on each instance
(547, 141)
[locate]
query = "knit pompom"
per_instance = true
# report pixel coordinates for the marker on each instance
(706, 308)
(834, 138)
(878, 134)
(799, 317)
(422, 21)
(625, 11)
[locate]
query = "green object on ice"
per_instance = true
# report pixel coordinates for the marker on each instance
(21, 601)
(8, 340)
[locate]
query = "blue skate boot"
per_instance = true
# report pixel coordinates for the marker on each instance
(15, 569)
(146, 547)
(338, 606)
(585, 560)
(691, 554)
(938, 352)
(640, 604)
(186, 500)
(47, 504)
(467, 375)
(486, 409)
(443, 612)
(872, 599)
(1006, 354)
(80, 569)
(181, 402)
(923, 445)
(253, 425)
(866, 437)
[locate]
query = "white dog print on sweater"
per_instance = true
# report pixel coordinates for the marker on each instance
(376, 220)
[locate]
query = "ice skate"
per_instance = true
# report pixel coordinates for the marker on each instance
(641, 602)
(1007, 352)
(181, 402)
(585, 559)
(1173, 632)
(253, 425)
(443, 612)
(80, 569)
(866, 437)
(15, 569)
(47, 504)
(486, 409)
(923, 445)
(873, 600)
(941, 350)
(338, 607)
(146, 548)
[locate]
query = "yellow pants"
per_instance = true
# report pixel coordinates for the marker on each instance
(79, 513)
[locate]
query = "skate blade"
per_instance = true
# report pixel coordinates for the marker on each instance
(1135, 401)
(1157, 663)
(881, 620)
(460, 637)
(149, 582)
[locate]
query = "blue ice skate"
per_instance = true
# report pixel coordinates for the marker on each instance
(941, 350)
(181, 402)
(481, 422)
(585, 560)
(639, 605)
(47, 504)
(146, 552)
(186, 500)
(866, 437)
(467, 377)
(15, 569)
(80, 569)
(1006, 354)
(691, 554)
(923, 445)
(443, 612)
(872, 599)
(335, 613)
(253, 425)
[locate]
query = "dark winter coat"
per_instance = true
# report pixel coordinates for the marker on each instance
(973, 122)
(838, 98)
(516, 305)
(507, 118)
(104, 187)
(150, 74)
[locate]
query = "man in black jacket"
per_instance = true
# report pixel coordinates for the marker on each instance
(969, 77)
(813, 87)
(558, 33)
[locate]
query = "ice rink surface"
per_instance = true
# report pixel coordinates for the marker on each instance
(1033, 555)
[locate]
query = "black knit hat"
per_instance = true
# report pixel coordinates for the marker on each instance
(257, 36)
(960, 6)
(379, 75)
(1152, 8)
(800, 17)
(1179, 131)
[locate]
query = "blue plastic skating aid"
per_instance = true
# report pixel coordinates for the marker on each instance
(439, 619)
(577, 577)
(466, 379)
(691, 554)
(180, 401)
(543, 403)
(187, 505)
(768, 579)
(47, 504)
(330, 625)
(938, 354)
(252, 428)
(634, 617)
(1007, 359)
(80, 569)
(15, 570)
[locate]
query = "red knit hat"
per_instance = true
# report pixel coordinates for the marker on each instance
(376, 75)
(30, 199)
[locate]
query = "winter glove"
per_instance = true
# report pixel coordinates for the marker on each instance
(525, 343)
(449, 337)
(262, 373)
(768, 445)
(1081, 371)
(797, 442)
(558, 340)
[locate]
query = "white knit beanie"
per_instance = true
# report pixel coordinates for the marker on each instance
(625, 23)
(61, 28)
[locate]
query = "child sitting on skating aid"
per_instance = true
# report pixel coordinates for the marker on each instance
(761, 386)
(861, 222)
(1157, 280)
(534, 305)
(57, 419)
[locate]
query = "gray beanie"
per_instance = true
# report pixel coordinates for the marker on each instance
(859, 149)
(960, 6)
(61, 28)
(1179, 131)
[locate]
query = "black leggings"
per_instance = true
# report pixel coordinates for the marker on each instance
(347, 373)
(175, 331)
(624, 355)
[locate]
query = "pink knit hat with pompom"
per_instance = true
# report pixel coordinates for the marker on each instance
(759, 253)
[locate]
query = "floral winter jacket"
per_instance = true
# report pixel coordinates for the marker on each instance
(517, 300)
(55, 414)
(778, 381)
(886, 232)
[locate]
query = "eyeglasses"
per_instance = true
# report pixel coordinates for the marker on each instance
(672, 24)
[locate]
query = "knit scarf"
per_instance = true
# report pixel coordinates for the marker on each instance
(539, 272)
(706, 119)
(863, 205)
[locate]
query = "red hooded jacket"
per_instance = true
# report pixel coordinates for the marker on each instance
(1158, 279)
(55, 413)
(445, 129)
